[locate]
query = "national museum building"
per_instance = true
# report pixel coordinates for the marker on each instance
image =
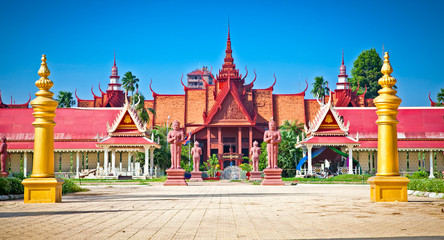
(226, 114)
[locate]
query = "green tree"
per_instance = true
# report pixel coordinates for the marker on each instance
(367, 71)
(130, 82)
(440, 97)
(162, 156)
(212, 165)
(65, 99)
(263, 161)
(142, 112)
(319, 87)
(288, 153)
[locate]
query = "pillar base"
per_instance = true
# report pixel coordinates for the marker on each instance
(4, 174)
(388, 189)
(175, 177)
(196, 176)
(256, 176)
(43, 190)
(272, 177)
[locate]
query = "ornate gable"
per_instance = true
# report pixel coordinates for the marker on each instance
(327, 122)
(229, 108)
(127, 123)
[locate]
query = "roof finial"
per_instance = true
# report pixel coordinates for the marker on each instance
(342, 56)
(228, 28)
(114, 58)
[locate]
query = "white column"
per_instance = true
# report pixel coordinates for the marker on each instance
(77, 164)
(129, 161)
(431, 165)
(113, 161)
(145, 167)
(25, 164)
(105, 162)
(151, 161)
(350, 159)
(310, 168)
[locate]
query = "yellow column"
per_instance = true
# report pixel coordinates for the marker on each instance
(42, 187)
(387, 186)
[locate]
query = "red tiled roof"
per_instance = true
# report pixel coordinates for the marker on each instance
(329, 140)
(57, 145)
(71, 123)
(414, 123)
(406, 144)
(126, 141)
(198, 72)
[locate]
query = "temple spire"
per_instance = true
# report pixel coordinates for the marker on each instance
(342, 77)
(114, 58)
(114, 78)
(342, 56)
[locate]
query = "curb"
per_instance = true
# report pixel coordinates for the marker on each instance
(11, 197)
(426, 194)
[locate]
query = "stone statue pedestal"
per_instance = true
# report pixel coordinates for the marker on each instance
(196, 176)
(175, 177)
(256, 176)
(272, 177)
(4, 174)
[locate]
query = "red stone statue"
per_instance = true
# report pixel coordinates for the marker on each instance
(255, 152)
(175, 138)
(175, 174)
(4, 158)
(196, 175)
(272, 173)
(196, 151)
(272, 137)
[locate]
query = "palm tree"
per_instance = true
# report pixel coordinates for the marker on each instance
(130, 82)
(65, 99)
(140, 107)
(295, 126)
(319, 87)
(440, 97)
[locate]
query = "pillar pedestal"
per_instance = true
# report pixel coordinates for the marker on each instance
(196, 176)
(272, 177)
(256, 176)
(42, 190)
(388, 189)
(4, 174)
(175, 177)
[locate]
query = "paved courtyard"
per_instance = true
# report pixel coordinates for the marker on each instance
(222, 211)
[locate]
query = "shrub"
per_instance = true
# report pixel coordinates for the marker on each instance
(69, 186)
(11, 185)
(418, 175)
(16, 186)
(426, 185)
(438, 174)
(246, 167)
(18, 175)
(5, 186)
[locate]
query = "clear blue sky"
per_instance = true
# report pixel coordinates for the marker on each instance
(160, 40)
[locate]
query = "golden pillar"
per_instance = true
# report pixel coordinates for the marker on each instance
(387, 185)
(42, 187)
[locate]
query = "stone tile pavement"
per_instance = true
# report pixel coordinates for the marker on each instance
(222, 211)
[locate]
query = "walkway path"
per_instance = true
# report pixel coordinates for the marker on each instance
(221, 211)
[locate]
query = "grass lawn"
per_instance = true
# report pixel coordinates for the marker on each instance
(344, 178)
